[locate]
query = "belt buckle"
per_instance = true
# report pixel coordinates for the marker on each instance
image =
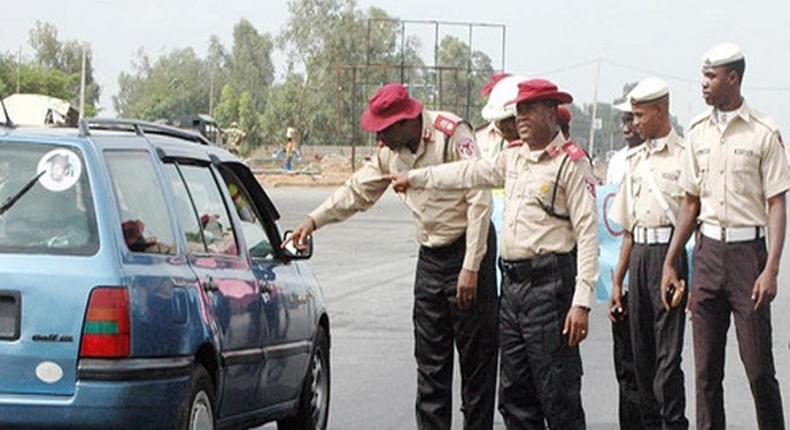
(655, 235)
(723, 234)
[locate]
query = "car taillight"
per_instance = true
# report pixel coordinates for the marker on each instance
(106, 332)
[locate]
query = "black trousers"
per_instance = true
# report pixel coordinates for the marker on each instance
(629, 412)
(540, 375)
(657, 336)
(724, 275)
(438, 323)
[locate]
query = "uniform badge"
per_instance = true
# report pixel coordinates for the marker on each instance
(544, 188)
(467, 148)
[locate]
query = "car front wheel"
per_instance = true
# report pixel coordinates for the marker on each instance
(313, 410)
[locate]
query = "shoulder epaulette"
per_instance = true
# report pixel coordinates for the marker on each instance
(574, 151)
(764, 120)
(445, 125)
(699, 118)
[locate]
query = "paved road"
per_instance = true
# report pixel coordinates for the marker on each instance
(366, 269)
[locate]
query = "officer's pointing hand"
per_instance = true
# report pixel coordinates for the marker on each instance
(466, 291)
(400, 181)
(576, 324)
(300, 234)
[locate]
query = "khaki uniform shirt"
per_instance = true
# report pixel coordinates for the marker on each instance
(441, 216)
(529, 176)
(490, 141)
(734, 172)
(635, 204)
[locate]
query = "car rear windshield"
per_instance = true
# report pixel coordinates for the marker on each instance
(46, 201)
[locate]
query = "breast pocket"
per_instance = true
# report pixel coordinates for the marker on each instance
(745, 169)
(670, 184)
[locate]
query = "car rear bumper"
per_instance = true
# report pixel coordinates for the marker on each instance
(119, 394)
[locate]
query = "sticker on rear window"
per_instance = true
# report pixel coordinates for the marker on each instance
(61, 170)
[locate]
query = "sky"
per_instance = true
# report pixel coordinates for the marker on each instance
(562, 40)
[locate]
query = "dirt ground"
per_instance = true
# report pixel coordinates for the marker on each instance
(318, 166)
(326, 166)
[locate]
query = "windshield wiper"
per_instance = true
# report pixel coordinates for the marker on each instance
(13, 199)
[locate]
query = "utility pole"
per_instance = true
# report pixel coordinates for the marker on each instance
(18, 69)
(82, 85)
(594, 119)
(211, 93)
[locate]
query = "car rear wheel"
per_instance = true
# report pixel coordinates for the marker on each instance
(313, 410)
(197, 410)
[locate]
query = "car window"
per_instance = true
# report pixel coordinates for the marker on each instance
(259, 244)
(53, 212)
(186, 214)
(212, 214)
(144, 216)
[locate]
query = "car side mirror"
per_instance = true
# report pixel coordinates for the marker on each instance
(293, 252)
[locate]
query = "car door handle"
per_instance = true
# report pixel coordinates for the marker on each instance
(209, 285)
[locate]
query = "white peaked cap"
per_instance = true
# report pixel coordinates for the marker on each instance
(722, 54)
(648, 90)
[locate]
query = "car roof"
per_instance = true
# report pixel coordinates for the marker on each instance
(120, 133)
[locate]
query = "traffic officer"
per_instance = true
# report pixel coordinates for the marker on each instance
(646, 206)
(735, 179)
(503, 134)
(629, 411)
(489, 137)
(549, 231)
(455, 298)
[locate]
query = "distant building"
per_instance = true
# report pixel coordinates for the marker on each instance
(38, 110)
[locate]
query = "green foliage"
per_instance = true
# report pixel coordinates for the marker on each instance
(65, 57)
(460, 88)
(282, 112)
(177, 83)
(251, 66)
(249, 121)
(227, 111)
(316, 95)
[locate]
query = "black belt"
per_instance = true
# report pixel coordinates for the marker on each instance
(521, 270)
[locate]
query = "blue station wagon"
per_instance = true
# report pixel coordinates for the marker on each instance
(143, 286)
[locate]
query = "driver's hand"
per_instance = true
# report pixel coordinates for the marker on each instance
(300, 234)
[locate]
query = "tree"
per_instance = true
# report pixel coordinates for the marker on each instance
(177, 83)
(65, 57)
(227, 111)
(251, 66)
(249, 121)
(282, 112)
(460, 88)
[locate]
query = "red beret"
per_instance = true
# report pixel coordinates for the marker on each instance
(563, 115)
(535, 90)
(390, 104)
